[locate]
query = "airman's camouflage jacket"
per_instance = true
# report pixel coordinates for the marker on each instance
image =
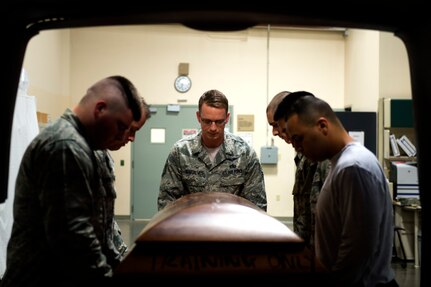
(236, 169)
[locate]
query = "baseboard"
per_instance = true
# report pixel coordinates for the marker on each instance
(123, 217)
(285, 219)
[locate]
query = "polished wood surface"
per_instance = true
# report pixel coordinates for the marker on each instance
(218, 217)
(218, 237)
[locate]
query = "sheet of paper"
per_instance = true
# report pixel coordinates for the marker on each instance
(158, 135)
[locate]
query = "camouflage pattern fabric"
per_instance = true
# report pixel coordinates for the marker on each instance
(59, 212)
(236, 169)
(113, 243)
(119, 243)
(309, 179)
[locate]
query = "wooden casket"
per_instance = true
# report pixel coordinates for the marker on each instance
(218, 238)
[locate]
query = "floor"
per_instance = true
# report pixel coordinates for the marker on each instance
(406, 277)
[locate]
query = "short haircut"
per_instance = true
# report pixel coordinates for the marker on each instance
(146, 108)
(273, 104)
(306, 106)
(214, 98)
(130, 94)
(286, 106)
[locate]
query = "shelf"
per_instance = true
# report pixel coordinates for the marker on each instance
(401, 158)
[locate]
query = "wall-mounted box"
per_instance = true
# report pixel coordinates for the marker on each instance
(268, 155)
(173, 108)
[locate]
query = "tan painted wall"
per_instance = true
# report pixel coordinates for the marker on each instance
(248, 66)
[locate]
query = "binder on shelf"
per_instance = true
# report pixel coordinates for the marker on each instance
(394, 146)
(406, 146)
(386, 143)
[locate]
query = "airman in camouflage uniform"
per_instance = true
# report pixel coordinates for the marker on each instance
(212, 160)
(113, 244)
(309, 179)
(60, 207)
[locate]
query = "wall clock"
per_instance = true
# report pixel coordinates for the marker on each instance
(183, 83)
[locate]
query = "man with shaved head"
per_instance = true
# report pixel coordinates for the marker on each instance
(106, 166)
(60, 209)
(309, 178)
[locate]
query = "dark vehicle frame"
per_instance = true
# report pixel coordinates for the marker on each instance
(23, 19)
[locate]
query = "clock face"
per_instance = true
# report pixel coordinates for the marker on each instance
(183, 84)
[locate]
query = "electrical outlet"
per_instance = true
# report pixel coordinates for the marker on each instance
(277, 197)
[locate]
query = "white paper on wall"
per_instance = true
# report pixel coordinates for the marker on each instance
(24, 129)
(358, 136)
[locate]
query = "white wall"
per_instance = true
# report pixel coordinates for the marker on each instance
(245, 65)
(362, 70)
(47, 61)
(394, 72)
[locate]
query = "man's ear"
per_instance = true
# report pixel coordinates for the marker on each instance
(323, 124)
(227, 117)
(99, 108)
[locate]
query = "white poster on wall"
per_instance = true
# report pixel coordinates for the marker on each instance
(24, 129)
(358, 136)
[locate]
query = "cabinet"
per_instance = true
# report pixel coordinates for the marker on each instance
(408, 219)
(395, 117)
(365, 122)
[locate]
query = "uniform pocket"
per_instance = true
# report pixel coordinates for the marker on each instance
(195, 180)
(232, 184)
